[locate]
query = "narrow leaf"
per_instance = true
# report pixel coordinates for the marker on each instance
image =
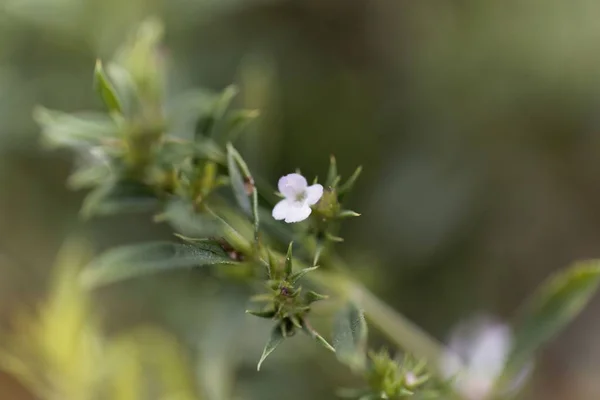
(105, 89)
(142, 259)
(350, 336)
(181, 216)
(262, 314)
(311, 297)
(556, 303)
(349, 184)
(238, 122)
(237, 182)
(245, 171)
(296, 276)
(347, 214)
(332, 174)
(288, 261)
(118, 197)
(316, 336)
(274, 341)
(74, 130)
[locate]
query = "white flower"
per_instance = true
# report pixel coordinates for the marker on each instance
(298, 198)
(476, 357)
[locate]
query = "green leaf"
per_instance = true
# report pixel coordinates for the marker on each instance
(349, 184)
(350, 336)
(311, 297)
(237, 182)
(89, 176)
(118, 197)
(74, 130)
(235, 160)
(316, 336)
(347, 214)
(238, 121)
(136, 260)
(556, 303)
(332, 174)
(274, 340)
(296, 276)
(262, 314)
(288, 261)
(105, 89)
(181, 216)
(220, 107)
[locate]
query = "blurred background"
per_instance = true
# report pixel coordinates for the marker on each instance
(477, 124)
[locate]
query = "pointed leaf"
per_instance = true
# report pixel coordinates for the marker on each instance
(105, 89)
(311, 297)
(74, 130)
(288, 261)
(274, 341)
(181, 216)
(332, 174)
(349, 184)
(142, 259)
(347, 214)
(556, 303)
(350, 336)
(316, 336)
(262, 314)
(118, 197)
(296, 276)
(237, 182)
(239, 121)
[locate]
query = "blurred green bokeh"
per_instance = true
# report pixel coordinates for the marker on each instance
(476, 122)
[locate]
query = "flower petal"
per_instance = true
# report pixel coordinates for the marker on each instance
(291, 185)
(314, 193)
(297, 214)
(280, 211)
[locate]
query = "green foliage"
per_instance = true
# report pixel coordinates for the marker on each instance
(175, 160)
(131, 261)
(59, 351)
(350, 336)
(556, 303)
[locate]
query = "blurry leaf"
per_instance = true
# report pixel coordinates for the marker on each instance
(55, 350)
(141, 58)
(238, 121)
(186, 110)
(149, 356)
(288, 261)
(332, 173)
(237, 183)
(556, 303)
(74, 130)
(89, 176)
(220, 107)
(105, 89)
(347, 214)
(274, 340)
(124, 88)
(350, 336)
(349, 184)
(119, 197)
(311, 297)
(296, 276)
(142, 259)
(184, 220)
